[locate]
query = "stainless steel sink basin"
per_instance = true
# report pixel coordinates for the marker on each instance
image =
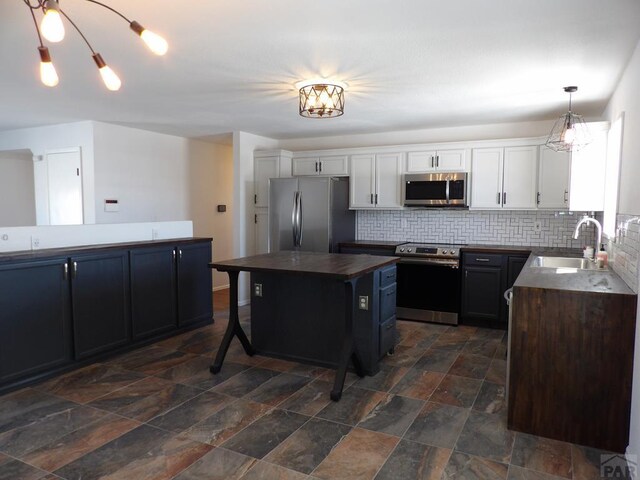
(565, 263)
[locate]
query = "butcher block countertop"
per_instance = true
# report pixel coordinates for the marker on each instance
(334, 265)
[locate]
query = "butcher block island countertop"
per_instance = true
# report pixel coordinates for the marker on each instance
(325, 309)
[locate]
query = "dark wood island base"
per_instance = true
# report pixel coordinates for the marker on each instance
(307, 307)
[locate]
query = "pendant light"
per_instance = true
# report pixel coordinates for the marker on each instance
(570, 132)
(321, 100)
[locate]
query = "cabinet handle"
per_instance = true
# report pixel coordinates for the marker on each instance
(391, 275)
(65, 271)
(372, 199)
(376, 198)
(538, 199)
(316, 167)
(255, 218)
(437, 161)
(320, 167)
(255, 199)
(504, 198)
(74, 270)
(174, 254)
(566, 196)
(482, 259)
(433, 161)
(498, 199)
(180, 254)
(390, 326)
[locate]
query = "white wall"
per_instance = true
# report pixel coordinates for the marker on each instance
(244, 144)
(210, 185)
(18, 201)
(626, 99)
(40, 140)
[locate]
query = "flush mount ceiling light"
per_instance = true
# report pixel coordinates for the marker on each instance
(570, 131)
(321, 100)
(52, 29)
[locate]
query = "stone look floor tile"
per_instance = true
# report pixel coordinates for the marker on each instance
(278, 389)
(150, 360)
(486, 435)
(244, 382)
(218, 464)
(355, 404)
(21, 408)
(542, 455)
(384, 380)
(268, 471)
(411, 460)
(497, 372)
(66, 449)
(470, 365)
(438, 425)
(462, 466)
(586, 462)
(491, 398)
(436, 360)
(191, 412)
(393, 415)
(480, 346)
(307, 447)
(519, 473)
(404, 356)
(458, 391)
(11, 469)
(266, 433)
(310, 399)
(418, 384)
(357, 457)
(195, 373)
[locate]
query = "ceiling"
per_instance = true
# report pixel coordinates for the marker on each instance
(233, 65)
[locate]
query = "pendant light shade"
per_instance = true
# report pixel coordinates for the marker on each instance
(321, 100)
(570, 132)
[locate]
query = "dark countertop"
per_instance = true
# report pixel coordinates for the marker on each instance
(521, 249)
(371, 244)
(589, 281)
(6, 257)
(341, 266)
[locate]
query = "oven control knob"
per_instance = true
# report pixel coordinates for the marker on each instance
(452, 252)
(409, 249)
(402, 249)
(444, 252)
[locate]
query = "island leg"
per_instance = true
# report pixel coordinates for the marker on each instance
(233, 328)
(349, 352)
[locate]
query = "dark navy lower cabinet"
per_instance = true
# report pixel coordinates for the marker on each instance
(100, 302)
(194, 283)
(153, 291)
(35, 319)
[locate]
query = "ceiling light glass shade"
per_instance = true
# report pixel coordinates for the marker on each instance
(109, 77)
(51, 26)
(321, 101)
(155, 42)
(570, 132)
(48, 74)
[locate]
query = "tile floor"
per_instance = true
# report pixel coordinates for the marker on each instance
(436, 410)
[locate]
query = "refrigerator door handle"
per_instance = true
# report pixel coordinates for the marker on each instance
(300, 223)
(294, 211)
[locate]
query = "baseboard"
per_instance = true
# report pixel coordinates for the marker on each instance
(222, 287)
(242, 303)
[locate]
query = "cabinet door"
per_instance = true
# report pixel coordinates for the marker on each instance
(588, 173)
(100, 302)
(35, 320)
(264, 169)
(553, 179)
(388, 180)
(306, 166)
(451, 160)
(261, 221)
(195, 296)
(486, 178)
(421, 161)
(336, 165)
(520, 172)
(361, 181)
(482, 292)
(153, 291)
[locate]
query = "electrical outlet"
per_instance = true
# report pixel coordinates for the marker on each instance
(35, 243)
(363, 302)
(537, 226)
(257, 289)
(154, 234)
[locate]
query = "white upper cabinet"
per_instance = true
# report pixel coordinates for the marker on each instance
(268, 164)
(520, 177)
(333, 165)
(588, 171)
(504, 178)
(434, 160)
(375, 181)
(553, 179)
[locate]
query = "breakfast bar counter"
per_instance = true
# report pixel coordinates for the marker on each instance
(320, 308)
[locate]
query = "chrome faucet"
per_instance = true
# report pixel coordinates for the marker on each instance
(588, 219)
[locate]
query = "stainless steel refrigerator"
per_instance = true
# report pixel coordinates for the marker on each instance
(310, 214)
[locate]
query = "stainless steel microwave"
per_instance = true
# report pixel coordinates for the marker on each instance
(442, 189)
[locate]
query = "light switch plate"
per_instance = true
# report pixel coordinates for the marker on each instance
(537, 226)
(363, 302)
(257, 289)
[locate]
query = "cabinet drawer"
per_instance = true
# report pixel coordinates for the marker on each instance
(387, 276)
(387, 302)
(387, 335)
(489, 260)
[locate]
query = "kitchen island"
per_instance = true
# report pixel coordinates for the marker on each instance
(319, 308)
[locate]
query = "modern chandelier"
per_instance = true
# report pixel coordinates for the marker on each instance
(321, 100)
(570, 131)
(52, 29)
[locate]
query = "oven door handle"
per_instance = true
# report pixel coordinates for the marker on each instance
(447, 190)
(435, 263)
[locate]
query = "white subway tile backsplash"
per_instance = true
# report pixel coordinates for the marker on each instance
(624, 250)
(473, 227)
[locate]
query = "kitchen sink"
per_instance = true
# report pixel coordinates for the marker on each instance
(565, 262)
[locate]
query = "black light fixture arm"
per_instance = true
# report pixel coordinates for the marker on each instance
(110, 8)
(35, 22)
(79, 31)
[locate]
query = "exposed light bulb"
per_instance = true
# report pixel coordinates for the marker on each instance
(109, 77)
(570, 135)
(51, 26)
(155, 42)
(48, 74)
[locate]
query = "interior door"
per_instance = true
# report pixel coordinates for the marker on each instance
(65, 187)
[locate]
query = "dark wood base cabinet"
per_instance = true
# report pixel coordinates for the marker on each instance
(571, 365)
(72, 307)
